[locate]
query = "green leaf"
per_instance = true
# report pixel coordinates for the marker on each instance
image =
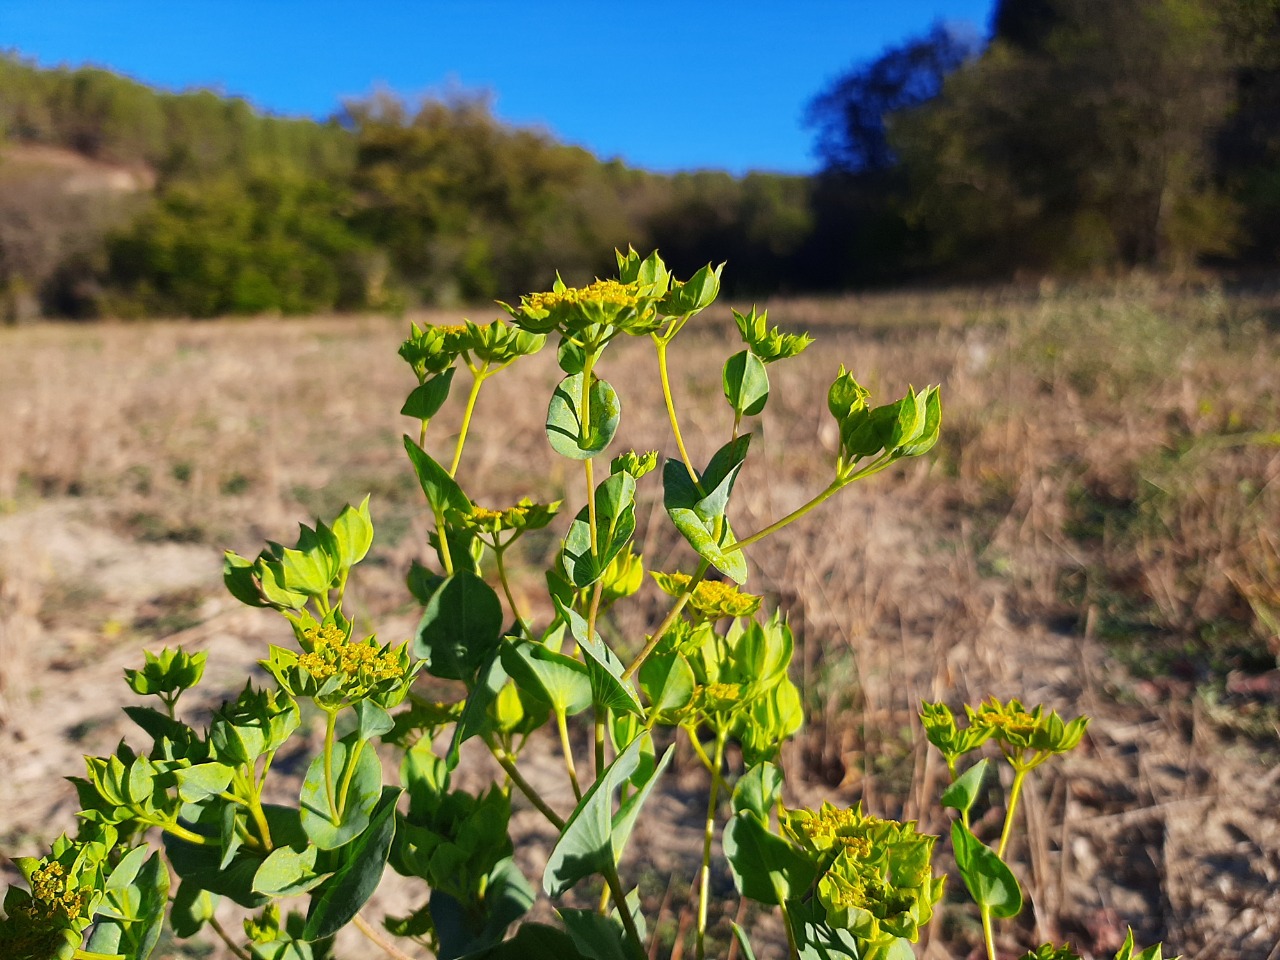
(592, 839)
(962, 794)
(192, 908)
(597, 937)
(615, 525)
(758, 790)
(746, 383)
(354, 532)
(442, 491)
(371, 720)
(426, 399)
(362, 794)
(696, 512)
(629, 810)
(533, 941)
(288, 871)
(475, 719)
(765, 867)
(508, 897)
(743, 943)
(238, 575)
(558, 680)
(139, 894)
(990, 881)
(204, 780)
(564, 418)
(358, 868)
(667, 681)
(927, 436)
(308, 571)
(816, 939)
(460, 627)
(604, 669)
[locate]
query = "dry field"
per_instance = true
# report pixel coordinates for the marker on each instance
(1098, 530)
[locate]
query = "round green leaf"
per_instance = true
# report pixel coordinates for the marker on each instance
(362, 795)
(460, 627)
(564, 418)
(746, 383)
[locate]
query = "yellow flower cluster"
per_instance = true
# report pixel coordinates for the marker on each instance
(332, 653)
(49, 887)
(721, 696)
(712, 599)
(609, 292)
(1011, 719)
(834, 826)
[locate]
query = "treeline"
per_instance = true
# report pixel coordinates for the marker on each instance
(1081, 136)
(1085, 135)
(387, 205)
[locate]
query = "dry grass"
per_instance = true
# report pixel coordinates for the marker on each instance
(1108, 473)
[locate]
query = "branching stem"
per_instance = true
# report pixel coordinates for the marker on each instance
(667, 621)
(508, 764)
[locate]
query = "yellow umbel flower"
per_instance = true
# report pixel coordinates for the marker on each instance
(712, 599)
(49, 887)
(332, 653)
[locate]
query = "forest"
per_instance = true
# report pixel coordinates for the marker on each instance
(1081, 137)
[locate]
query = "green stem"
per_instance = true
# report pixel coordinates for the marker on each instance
(704, 879)
(667, 621)
(589, 472)
(330, 725)
(988, 936)
(477, 380)
(370, 931)
(347, 775)
(567, 749)
(498, 551)
(624, 911)
(523, 785)
(422, 434)
(671, 412)
(90, 955)
(794, 515)
(601, 713)
(253, 801)
(793, 951)
(1019, 774)
(226, 938)
(445, 556)
(179, 831)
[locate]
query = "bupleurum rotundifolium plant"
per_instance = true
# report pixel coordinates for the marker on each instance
(713, 672)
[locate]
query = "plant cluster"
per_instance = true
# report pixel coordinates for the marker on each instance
(713, 672)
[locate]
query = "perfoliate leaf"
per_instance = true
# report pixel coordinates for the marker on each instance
(615, 525)
(460, 627)
(765, 867)
(565, 420)
(990, 881)
(357, 869)
(426, 399)
(324, 829)
(354, 532)
(592, 838)
(560, 681)
(758, 790)
(697, 508)
(746, 383)
(442, 491)
(962, 794)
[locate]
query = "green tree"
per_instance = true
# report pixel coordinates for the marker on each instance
(1081, 140)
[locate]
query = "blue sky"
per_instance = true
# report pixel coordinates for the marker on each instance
(661, 84)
